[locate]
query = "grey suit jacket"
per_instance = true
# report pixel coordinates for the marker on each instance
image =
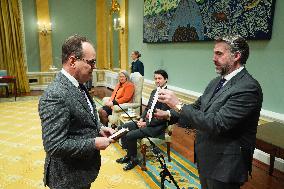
(226, 127)
(68, 132)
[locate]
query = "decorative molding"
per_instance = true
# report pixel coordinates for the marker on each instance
(264, 158)
(272, 116)
(38, 87)
(105, 78)
(42, 73)
(40, 80)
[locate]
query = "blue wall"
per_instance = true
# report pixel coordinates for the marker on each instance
(190, 65)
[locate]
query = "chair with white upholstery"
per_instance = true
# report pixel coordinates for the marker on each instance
(144, 144)
(137, 79)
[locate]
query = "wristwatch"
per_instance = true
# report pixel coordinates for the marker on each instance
(178, 107)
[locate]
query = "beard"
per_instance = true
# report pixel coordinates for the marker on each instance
(224, 70)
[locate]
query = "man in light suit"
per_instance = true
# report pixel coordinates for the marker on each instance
(225, 117)
(72, 136)
(154, 128)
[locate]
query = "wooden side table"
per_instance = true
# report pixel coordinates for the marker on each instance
(10, 79)
(269, 138)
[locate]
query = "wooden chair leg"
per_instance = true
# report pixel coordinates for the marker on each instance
(169, 151)
(143, 151)
(271, 167)
(7, 91)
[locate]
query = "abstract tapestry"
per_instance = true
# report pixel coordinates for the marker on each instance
(198, 20)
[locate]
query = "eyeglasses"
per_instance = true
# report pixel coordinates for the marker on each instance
(92, 62)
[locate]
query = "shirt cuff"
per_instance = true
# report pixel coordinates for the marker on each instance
(169, 115)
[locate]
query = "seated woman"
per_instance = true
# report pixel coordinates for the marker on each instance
(123, 93)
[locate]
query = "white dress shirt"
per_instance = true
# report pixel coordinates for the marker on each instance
(232, 74)
(76, 83)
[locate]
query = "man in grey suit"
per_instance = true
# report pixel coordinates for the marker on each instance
(71, 133)
(225, 117)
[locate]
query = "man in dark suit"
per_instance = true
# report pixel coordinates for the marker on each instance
(72, 136)
(225, 117)
(146, 126)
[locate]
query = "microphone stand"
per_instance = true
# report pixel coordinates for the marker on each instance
(165, 172)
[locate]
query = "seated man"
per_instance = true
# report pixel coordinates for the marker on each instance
(122, 93)
(146, 126)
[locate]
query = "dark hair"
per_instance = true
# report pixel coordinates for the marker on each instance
(163, 73)
(73, 45)
(237, 44)
(137, 53)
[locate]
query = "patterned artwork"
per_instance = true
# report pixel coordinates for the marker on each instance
(195, 20)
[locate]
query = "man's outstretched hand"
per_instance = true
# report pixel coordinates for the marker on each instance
(168, 97)
(161, 114)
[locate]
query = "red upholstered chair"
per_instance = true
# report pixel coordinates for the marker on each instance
(4, 73)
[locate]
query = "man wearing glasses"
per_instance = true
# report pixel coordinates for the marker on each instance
(71, 132)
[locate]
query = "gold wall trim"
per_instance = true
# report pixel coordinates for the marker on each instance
(23, 34)
(110, 39)
(102, 18)
(123, 35)
(45, 47)
(104, 32)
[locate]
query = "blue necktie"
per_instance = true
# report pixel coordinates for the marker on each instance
(219, 86)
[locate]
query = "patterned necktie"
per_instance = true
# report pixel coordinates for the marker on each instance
(155, 99)
(83, 91)
(81, 88)
(219, 86)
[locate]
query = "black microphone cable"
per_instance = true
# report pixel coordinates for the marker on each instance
(165, 172)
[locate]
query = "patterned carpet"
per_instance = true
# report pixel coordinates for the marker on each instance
(22, 156)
